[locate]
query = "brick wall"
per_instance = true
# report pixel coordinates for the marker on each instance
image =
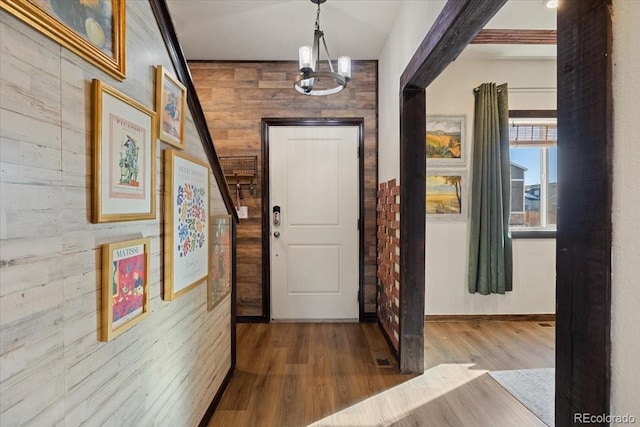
(388, 223)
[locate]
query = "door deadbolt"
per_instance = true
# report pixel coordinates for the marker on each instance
(276, 215)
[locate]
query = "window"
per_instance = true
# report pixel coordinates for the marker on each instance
(534, 174)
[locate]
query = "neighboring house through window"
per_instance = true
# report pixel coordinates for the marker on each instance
(534, 173)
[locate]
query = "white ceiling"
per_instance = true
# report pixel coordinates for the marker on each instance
(274, 29)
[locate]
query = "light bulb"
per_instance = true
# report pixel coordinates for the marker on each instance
(305, 58)
(344, 67)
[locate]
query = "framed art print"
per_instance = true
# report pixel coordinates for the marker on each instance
(445, 139)
(124, 157)
(125, 286)
(187, 224)
(219, 283)
(171, 100)
(93, 29)
(446, 194)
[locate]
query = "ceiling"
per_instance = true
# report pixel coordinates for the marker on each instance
(263, 30)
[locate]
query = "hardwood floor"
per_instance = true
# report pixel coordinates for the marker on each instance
(325, 375)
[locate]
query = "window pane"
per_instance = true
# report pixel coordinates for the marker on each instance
(517, 196)
(526, 160)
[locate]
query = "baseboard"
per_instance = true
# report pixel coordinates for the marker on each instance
(252, 319)
(216, 399)
(490, 317)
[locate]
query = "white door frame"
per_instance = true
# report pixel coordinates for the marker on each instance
(266, 215)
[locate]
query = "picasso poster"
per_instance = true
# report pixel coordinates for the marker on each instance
(93, 29)
(124, 157)
(186, 222)
(219, 283)
(171, 99)
(125, 286)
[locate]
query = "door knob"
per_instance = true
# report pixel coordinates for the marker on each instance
(276, 234)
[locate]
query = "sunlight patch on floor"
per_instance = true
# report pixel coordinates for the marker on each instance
(395, 403)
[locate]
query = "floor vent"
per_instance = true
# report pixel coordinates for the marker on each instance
(381, 359)
(546, 325)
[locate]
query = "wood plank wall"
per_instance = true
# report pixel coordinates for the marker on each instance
(235, 97)
(165, 370)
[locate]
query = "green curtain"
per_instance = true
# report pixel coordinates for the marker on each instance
(490, 254)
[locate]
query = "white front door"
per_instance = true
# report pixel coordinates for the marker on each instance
(313, 181)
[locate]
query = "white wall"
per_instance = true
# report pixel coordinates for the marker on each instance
(534, 261)
(625, 292)
(447, 242)
(53, 368)
(411, 26)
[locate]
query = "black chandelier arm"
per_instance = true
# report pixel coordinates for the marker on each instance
(327, 52)
(340, 80)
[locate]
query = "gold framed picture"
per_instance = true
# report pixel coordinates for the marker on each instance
(125, 286)
(171, 101)
(93, 29)
(220, 274)
(186, 223)
(124, 157)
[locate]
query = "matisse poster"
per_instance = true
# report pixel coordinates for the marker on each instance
(125, 295)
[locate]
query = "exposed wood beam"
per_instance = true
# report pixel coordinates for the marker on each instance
(583, 245)
(412, 218)
(458, 23)
(455, 27)
(511, 36)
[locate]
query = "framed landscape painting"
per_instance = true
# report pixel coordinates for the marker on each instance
(125, 286)
(187, 223)
(171, 101)
(219, 284)
(124, 154)
(93, 29)
(446, 140)
(446, 195)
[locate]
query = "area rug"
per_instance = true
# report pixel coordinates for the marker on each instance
(534, 388)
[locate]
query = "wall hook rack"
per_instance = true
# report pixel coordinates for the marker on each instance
(240, 170)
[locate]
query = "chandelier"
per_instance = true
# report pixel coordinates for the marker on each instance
(313, 81)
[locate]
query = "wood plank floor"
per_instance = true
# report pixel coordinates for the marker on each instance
(324, 375)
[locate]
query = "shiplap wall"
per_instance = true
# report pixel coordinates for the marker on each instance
(53, 369)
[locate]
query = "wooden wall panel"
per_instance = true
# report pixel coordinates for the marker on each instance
(235, 97)
(55, 371)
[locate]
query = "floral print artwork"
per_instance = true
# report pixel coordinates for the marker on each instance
(192, 218)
